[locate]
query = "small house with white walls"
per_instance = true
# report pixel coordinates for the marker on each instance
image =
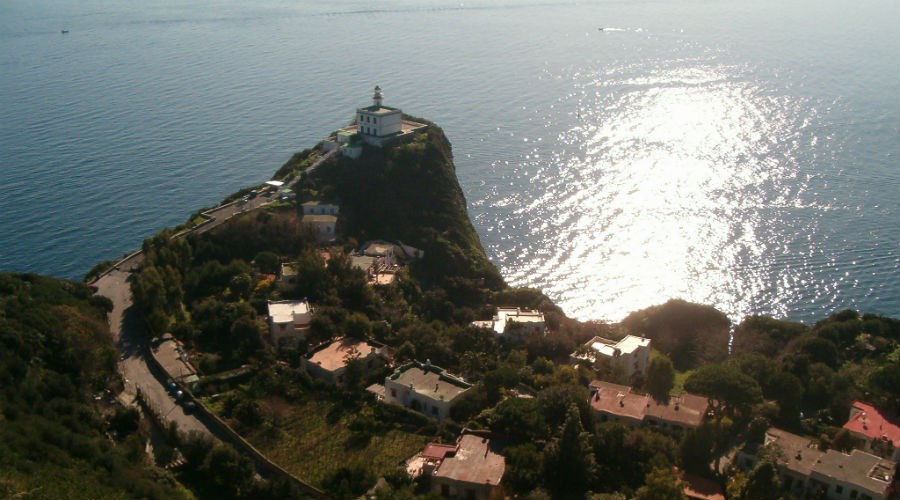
(425, 388)
(288, 319)
(631, 354)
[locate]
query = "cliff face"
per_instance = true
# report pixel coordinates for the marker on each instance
(409, 192)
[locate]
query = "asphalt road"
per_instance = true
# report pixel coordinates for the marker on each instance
(128, 332)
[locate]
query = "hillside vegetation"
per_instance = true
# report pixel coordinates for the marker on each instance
(55, 354)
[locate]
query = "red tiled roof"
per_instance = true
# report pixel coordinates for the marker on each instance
(868, 421)
(618, 400)
(687, 410)
(700, 488)
(436, 450)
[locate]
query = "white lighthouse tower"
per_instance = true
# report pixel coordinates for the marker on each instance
(378, 121)
(378, 97)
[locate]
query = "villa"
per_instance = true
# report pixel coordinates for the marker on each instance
(329, 360)
(425, 388)
(527, 323)
(472, 468)
(288, 319)
(631, 354)
(878, 429)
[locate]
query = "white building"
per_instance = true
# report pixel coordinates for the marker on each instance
(323, 224)
(319, 208)
(529, 322)
(631, 354)
(425, 388)
(857, 475)
(378, 121)
(289, 319)
(287, 278)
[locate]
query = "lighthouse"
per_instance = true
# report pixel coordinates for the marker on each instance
(378, 121)
(377, 97)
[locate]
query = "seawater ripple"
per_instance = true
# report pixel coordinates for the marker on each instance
(751, 165)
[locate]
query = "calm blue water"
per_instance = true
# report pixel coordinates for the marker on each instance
(742, 154)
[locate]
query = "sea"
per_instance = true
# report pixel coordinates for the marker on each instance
(614, 154)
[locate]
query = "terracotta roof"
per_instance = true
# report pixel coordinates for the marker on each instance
(436, 450)
(336, 354)
(687, 410)
(868, 421)
(474, 462)
(700, 488)
(618, 400)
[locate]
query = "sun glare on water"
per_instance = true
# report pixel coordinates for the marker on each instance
(659, 190)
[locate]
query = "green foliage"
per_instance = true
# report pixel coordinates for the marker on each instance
(765, 336)
(297, 163)
(661, 484)
(690, 334)
(349, 481)
(410, 193)
(55, 352)
(730, 391)
(524, 465)
(660, 377)
(569, 465)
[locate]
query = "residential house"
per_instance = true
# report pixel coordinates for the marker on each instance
(880, 430)
(328, 361)
(857, 475)
(619, 403)
(799, 456)
(288, 319)
(472, 468)
(287, 278)
(685, 411)
(323, 224)
(631, 354)
(700, 488)
(616, 403)
(425, 388)
(319, 208)
(527, 323)
(804, 469)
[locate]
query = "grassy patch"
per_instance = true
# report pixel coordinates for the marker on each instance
(312, 440)
(678, 386)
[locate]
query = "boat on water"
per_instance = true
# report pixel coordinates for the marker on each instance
(64, 31)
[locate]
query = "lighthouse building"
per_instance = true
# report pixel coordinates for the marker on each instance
(378, 121)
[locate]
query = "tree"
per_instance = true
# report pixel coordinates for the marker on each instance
(691, 334)
(569, 459)
(267, 262)
(661, 484)
(660, 377)
(762, 482)
(518, 419)
(729, 390)
(523, 468)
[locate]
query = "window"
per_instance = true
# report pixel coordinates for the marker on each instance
(434, 410)
(374, 120)
(393, 393)
(854, 494)
(839, 489)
